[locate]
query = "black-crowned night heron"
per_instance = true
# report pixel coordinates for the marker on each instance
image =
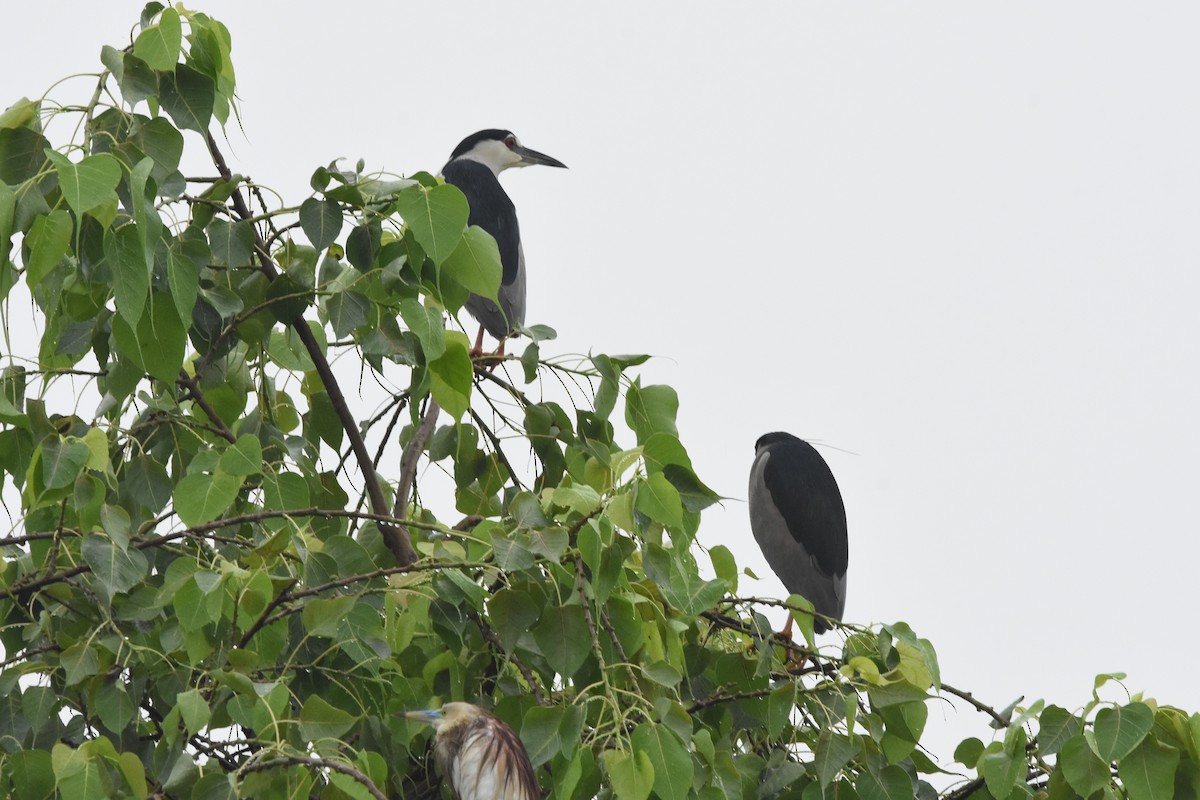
(481, 757)
(797, 516)
(474, 167)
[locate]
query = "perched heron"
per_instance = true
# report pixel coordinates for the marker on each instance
(481, 756)
(474, 167)
(797, 516)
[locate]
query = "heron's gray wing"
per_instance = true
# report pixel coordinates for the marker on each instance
(512, 295)
(794, 550)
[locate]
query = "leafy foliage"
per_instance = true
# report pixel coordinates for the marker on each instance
(223, 584)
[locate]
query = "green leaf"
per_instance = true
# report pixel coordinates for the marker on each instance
(159, 45)
(676, 575)
(243, 458)
(693, 494)
(362, 246)
(968, 752)
(580, 498)
(1119, 730)
(80, 661)
(321, 221)
(320, 720)
(32, 774)
(77, 772)
(19, 114)
(780, 704)
(662, 673)
(562, 636)
(89, 183)
(512, 614)
(1149, 771)
(630, 774)
(1002, 770)
(285, 491)
(138, 81)
(437, 216)
(146, 482)
(183, 276)
(232, 242)
(347, 311)
(1082, 768)
(426, 323)
(62, 461)
(114, 706)
(118, 569)
(22, 154)
(134, 773)
(891, 783)
(201, 498)
(149, 224)
(650, 410)
(833, 751)
(157, 344)
(194, 710)
(1056, 725)
(548, 731)
(163, 143)
(193, 606)
(451, 375)
(475, 263)
(724, 565)
(188, 96)
(512, 552)
(673, 766)
(322, 617)
(48, 241)
(549, 543)
(659, 500)
(131, 274)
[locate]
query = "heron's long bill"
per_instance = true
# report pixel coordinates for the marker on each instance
(531, 157)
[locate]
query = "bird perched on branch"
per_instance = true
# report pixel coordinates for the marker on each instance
(799, 520)
(474, 167)
(481, 757)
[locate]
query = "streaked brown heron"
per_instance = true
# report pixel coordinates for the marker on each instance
(799, 520)
(481, 757)
(474, 167)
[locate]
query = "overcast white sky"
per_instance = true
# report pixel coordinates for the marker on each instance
(954, 244)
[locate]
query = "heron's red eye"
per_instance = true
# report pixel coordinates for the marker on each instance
(509, 142)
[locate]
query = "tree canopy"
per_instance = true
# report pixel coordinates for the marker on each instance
(263, 499)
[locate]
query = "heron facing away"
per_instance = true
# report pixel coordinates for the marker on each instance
(799, 520)
(481, 757)
(474, 167)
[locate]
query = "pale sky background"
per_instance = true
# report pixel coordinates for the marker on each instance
(954, 244)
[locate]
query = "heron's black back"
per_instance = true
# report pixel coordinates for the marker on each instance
(491, 209)
(807, 496)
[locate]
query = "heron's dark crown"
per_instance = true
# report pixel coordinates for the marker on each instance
(775, 437)
(489, 135)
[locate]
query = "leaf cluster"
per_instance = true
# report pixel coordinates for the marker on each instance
(228, 580)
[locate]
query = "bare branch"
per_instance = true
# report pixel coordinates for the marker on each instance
(318, 763)
(970, 698)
